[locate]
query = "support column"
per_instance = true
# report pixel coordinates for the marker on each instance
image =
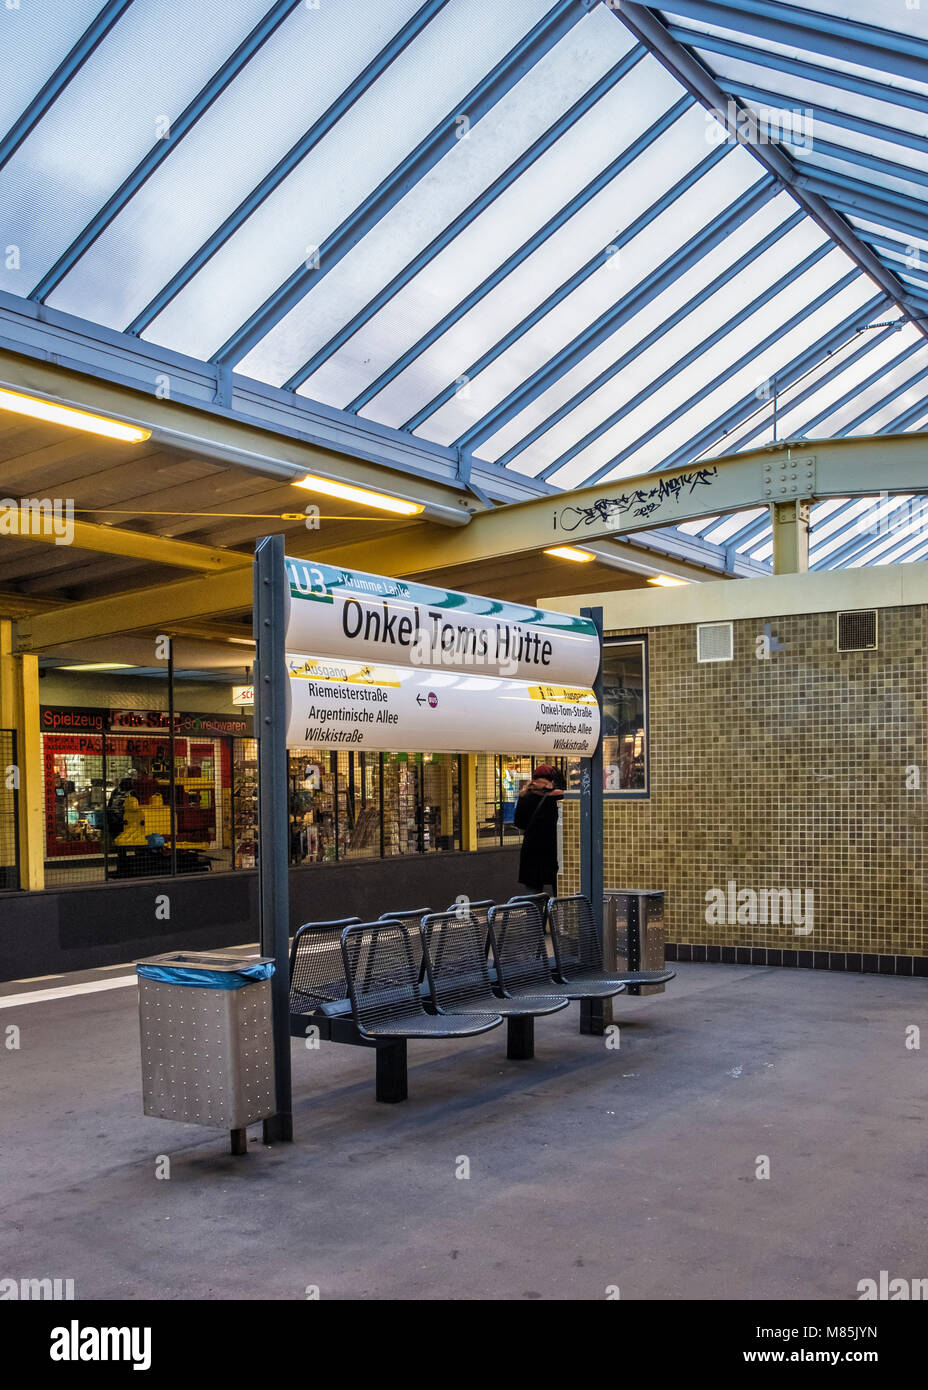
(595, 1014)
(790, 522)
(19, 710)
(468, 801)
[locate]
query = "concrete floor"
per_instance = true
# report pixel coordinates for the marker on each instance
(589, 1167)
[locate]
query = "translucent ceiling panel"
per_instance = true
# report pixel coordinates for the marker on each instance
(722, 533)
(867, 226)
(421, 88)
(890, 150)
(809, 161)
(874, 407)
(647, 366)
(809, 415)
(550, 88)
(712, 364)
(145, 72)
(654, 319)
(34, 40)
(230, 149)
(544, 190)
(717, 391)
(651, 175)
(806, 53)
(799, 93)
(902, 16)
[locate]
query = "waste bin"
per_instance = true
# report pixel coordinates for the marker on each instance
(639, 931)
(207, 1039)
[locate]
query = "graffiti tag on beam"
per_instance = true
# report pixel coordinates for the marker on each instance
(639, 503)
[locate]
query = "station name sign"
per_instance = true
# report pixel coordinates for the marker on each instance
(348, 704)
(368, 617)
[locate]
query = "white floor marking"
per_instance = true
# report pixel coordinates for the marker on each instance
(41, 996)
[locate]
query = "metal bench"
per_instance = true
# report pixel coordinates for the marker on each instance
(539, 899)
(523, 971)
(459, 976)
(578, 953)
(382, 962)
(365, 992)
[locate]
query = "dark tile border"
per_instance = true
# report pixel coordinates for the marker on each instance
(848, 961)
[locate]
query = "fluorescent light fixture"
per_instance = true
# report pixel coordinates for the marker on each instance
(55, 414)
(347, 492)
(99, 666)
(666, 581)
(570, 552)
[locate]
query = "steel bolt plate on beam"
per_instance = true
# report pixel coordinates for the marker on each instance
(785, 478)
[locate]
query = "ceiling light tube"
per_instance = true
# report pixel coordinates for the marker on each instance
(570, 552)
(54, 413)
(365, 497)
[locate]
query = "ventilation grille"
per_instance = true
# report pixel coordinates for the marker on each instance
(714, 642)
(857, 631)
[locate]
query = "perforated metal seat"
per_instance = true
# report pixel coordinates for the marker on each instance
(382, 964)
(456, 964)
(520, 954)
(317, 970)
(579, 957)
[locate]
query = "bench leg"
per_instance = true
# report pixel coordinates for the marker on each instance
(239, 1140)
(391, 1071)
(595, 1016)
(520, 1039)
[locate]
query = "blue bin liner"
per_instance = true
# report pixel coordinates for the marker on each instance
(206, 979)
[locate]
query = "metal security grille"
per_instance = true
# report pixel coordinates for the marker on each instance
(9, 806)
(714, 642)
(857, 630)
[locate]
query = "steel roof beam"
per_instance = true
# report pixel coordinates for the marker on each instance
(797, 26)
(865, 200)
(343, 102)
(159, 152)
(654, 284)
(464, 219)
(693, 355)
(690, 71)
(439, 142)
(87, 44)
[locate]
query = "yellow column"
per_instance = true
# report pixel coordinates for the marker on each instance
(19, 711)
(468, 801)
(790, 522)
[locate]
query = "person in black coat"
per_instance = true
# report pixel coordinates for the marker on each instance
(536, 816)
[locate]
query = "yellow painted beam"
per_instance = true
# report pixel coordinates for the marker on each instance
(790, 525)
(19, 710)
(157, 550)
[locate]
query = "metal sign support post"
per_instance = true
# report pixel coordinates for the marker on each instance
(270, 679)
(595, 1014)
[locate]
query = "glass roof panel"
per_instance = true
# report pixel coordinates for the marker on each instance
(809, 161)
(803, 49)
(900, 16)
(652, 174)
(800, 92)
(145, 72)
(226, 155)
(34, 40)
(462, 44)
(647, 367)
(653, 318)
(709, 404)
(545, 94)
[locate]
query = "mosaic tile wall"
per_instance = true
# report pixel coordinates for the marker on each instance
(782, 774)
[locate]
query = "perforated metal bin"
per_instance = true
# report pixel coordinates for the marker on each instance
(207, 1048)
(639, 931)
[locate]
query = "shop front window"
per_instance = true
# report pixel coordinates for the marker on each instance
(625, 718)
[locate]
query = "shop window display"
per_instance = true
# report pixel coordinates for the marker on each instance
(625, 718)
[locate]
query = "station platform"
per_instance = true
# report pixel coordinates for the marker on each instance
(591, 1168)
